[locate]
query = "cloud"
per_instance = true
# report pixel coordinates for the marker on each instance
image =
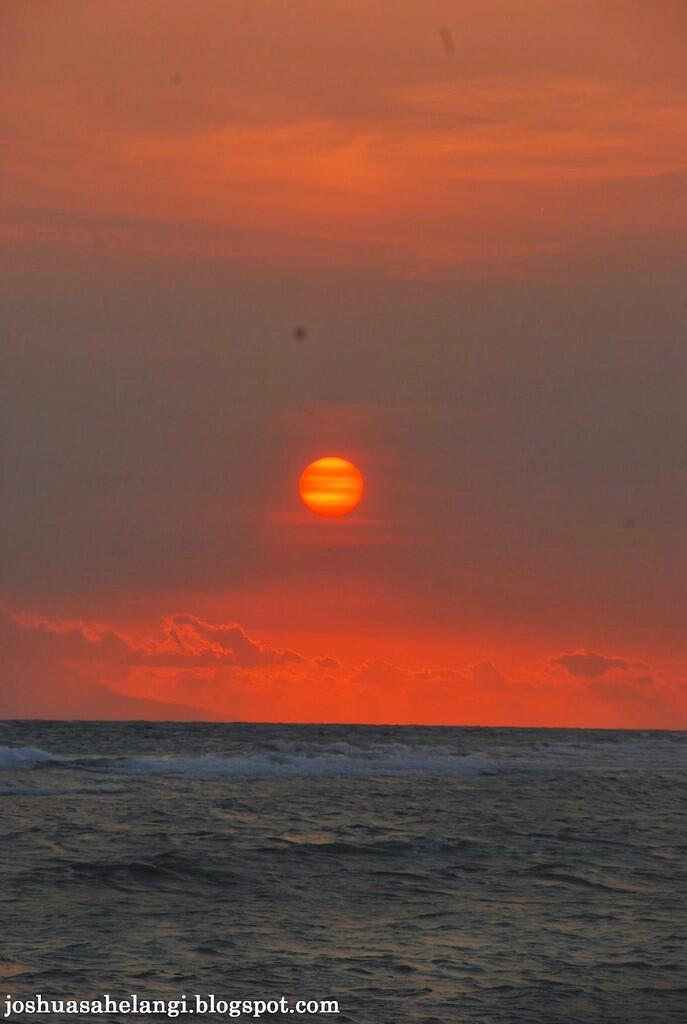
(196, 669)
(589, 665)
(327, 662)
(231, 136)
(380, 673)
(628, 688)
(52, 671)
(225, 643)
(486, 677)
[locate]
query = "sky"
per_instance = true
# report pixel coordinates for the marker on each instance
(445, 241)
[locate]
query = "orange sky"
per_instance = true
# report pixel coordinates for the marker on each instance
(477, 213)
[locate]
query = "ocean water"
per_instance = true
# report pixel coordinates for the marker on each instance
(432, 876)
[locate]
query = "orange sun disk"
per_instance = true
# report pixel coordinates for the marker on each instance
(331, 486)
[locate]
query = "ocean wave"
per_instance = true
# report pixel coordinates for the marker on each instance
(51, 791)
(341, 760)
(17, 758)
(298, 758)
(552, 873)
(335, 760)
(168, 870)
(384, 848)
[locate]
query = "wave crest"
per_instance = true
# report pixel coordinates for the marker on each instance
(18, 758)
(285, 761)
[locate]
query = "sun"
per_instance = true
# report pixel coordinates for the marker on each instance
(331, 486)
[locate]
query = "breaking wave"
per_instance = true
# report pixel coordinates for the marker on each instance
(295, 758)
(335, 760)
(342, 760)
(17, 758)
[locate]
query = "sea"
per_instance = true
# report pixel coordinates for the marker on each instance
(413, 875)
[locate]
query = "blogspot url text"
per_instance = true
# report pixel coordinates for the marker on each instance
(195, 1004)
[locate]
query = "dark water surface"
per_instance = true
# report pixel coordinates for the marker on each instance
(432, 876)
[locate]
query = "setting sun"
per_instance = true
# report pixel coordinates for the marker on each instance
(331, 486)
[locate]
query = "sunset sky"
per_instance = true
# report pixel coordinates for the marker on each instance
(442, 240)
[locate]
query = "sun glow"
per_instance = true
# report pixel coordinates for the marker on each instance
(331, 486)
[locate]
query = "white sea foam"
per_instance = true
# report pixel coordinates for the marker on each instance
(340, 760)
(16, 758)
(286, 760)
